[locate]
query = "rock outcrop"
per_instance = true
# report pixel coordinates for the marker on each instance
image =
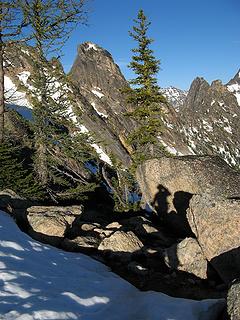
(215, 222)
(131, 245)
(211, 120)
(167, 185)
(101, 82)
(234, 86)
(108, 132)
(176, 97)
(50, 224)
(122, 242)
(233, 300)
(16, 206)
(187, 256)
(208, 121)
(85, 244)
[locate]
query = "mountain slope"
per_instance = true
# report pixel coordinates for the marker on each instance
(206, 121)
(234, 86)
(210, 121)
(174, 96)
(20, 89)
(100, 81)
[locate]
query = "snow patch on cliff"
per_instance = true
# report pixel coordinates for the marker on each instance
(97, 93)
(14, 96)
(101, 114)
(235, 89)
(91, 46)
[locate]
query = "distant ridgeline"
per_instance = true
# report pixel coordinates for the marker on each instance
(204, 120)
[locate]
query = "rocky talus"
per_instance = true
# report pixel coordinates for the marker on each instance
(144, 252)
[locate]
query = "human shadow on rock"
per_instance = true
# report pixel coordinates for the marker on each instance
(173, 219)
(227, 265)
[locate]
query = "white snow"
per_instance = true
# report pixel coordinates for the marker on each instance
(175, 96)
(7, 63)
(212, 103)
(169, 125)
(228, 129)
(170, 149)
(83, 129)
(221, 103)
(227, 155)
(101, 114)
(13, 96)
(97, 93)
(25, 51)
(48, 283)
(103, 156)
(237, 95)
(23, 76)
(235, 89)
(191, 150)
(207, 126)
(91, 46)
(192, 144)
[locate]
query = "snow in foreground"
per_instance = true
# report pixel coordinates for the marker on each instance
(41, 282)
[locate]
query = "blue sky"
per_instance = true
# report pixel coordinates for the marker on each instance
(191, 37)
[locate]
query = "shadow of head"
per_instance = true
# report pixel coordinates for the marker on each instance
(160, 201)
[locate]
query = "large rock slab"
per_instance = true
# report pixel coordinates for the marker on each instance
(187, 256)
(216, 224)
(121, 242)
(15, 205)
(145, 230)
(84, 244)
(167, 185)
(50, 223)
(233, 300)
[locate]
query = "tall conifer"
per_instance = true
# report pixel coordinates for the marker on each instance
(60, 154)
(144, 93)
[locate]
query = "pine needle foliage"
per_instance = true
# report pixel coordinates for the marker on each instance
(16, 175)
(144, 92)
(60, 151)
(12, 21)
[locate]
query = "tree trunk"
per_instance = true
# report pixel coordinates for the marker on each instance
(41, 166)
(2, 104)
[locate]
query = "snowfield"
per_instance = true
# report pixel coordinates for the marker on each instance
(13, 96)
(40, 282)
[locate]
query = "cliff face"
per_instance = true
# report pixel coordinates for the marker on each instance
(106, 130)
(175, 96)
(95, 72)
(100, 81)
(210, 120)
(207, 121)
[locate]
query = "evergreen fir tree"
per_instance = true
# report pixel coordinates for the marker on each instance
(12, 21)
(60, 153)
(17, 177)
(144, 94)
